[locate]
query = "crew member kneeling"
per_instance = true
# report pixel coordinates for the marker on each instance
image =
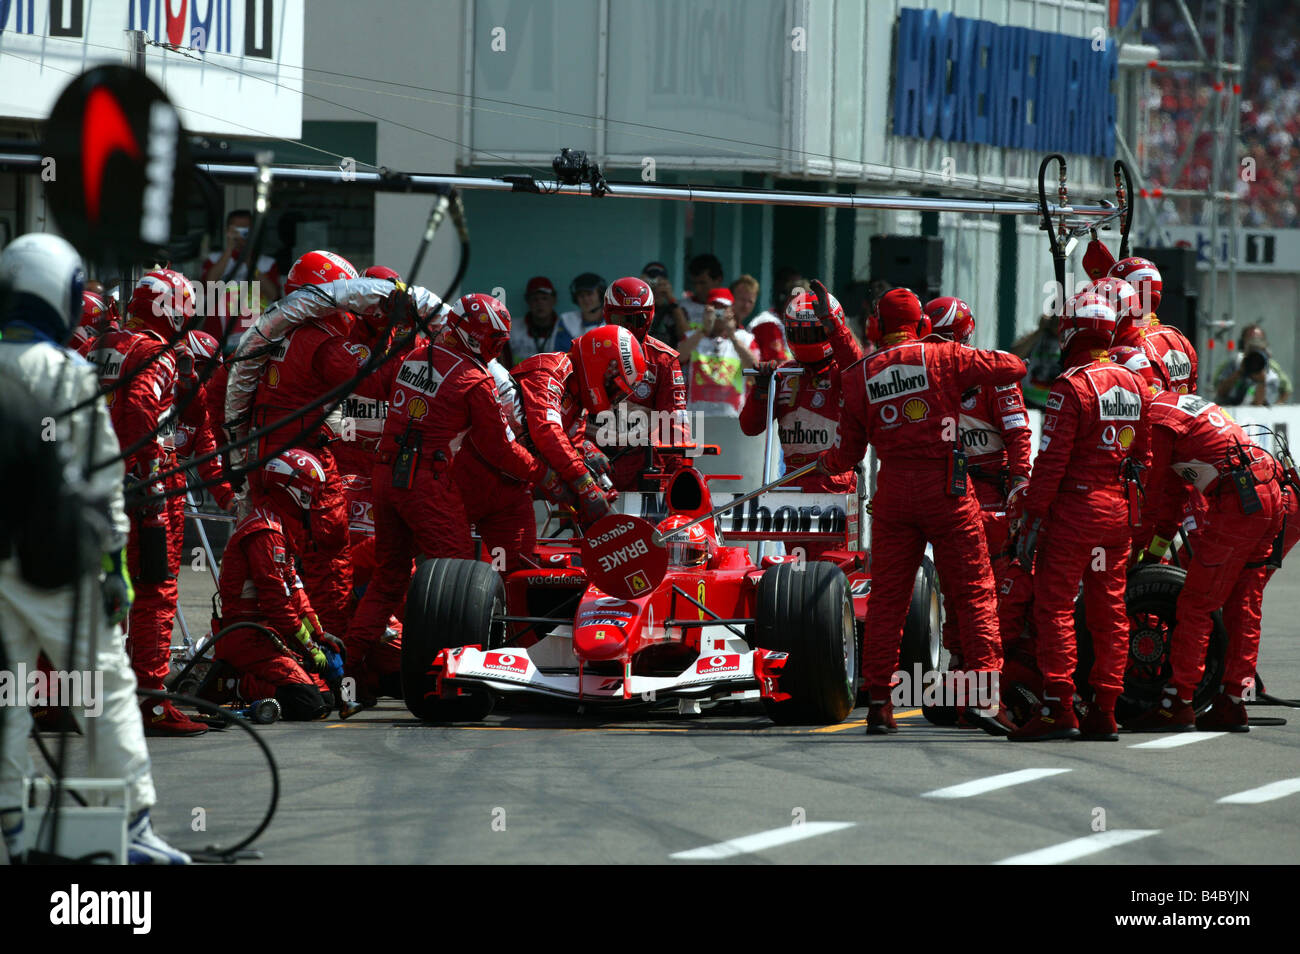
(260, 585)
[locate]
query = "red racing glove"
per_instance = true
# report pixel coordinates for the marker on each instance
(823, 307)
(763, 382)
(593, 503)
(555, 491)
(598, 464)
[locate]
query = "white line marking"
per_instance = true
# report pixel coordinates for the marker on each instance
(1174, 741)
(1078, 848)
(763, 839)
(991, 784)
(1265, 793)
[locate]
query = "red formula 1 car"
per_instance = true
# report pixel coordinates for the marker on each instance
(783, 631)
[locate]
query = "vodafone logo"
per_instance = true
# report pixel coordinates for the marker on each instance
(506, 662)
(723, 662)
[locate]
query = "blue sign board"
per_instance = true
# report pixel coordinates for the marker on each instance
(964, 80)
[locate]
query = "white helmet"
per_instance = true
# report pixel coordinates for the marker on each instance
(41, 281)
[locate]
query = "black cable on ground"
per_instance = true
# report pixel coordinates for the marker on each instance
(213, 853)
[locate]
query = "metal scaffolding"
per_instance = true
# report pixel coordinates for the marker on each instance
(1218, 204)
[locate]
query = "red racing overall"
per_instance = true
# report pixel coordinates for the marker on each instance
(1096, 416)
(905, 400)
(807, 409)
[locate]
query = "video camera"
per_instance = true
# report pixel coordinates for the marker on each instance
(573, 167)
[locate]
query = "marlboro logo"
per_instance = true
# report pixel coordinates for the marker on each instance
(416, 375)
(1118, 404)
(1177, 364)
(897, 380)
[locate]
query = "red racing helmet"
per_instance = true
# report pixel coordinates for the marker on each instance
(299, 474)
(480, 324)
(950, 318)
(803, 329)
(629, 302)
(382, 271)
(163, 302)
(205, 348)
(1143, 275)
(1136, 360)
(609, 364)
(1124, 298)
(690, 547)
(1089, 321)
(97, 312)
(317, 268)
(898, 311)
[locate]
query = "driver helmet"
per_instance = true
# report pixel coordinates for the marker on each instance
(690, 547)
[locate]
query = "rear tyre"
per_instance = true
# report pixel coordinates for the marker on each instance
(450, 603)
(805, 610)
(923, 638)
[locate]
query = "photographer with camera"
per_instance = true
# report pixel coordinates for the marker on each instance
(228, 266)
(719, 351)
(1253, 377)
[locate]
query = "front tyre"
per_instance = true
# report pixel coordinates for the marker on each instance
(805, 610)
(450, 603)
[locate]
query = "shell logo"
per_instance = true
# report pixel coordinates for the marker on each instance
(916, 410)
(1125, 436)
(417, 409)
(273, 376)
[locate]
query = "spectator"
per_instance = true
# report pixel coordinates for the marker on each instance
(665, 323)
(539, 329)
(587, 292)
(226, 266)
(1269, 108)
(1253, 376)
(719, 352)
(705, 274)
(767, 328)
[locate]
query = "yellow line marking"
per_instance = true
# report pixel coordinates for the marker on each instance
(851, 724)
(854, 723)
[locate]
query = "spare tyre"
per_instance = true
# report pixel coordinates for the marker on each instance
(1152, 600)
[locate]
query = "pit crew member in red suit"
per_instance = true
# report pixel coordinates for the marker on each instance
(98, 317)
(1170, 351)
(1195, 443)
(807, 405)
(905, 400)
(260, 585)
(303, 350)
(995, 436)
(443, 401)
(143, 413)
(1078, 520)
(659, 399)
(546, 400)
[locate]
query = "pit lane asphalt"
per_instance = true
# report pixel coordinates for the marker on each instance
(536, 788)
